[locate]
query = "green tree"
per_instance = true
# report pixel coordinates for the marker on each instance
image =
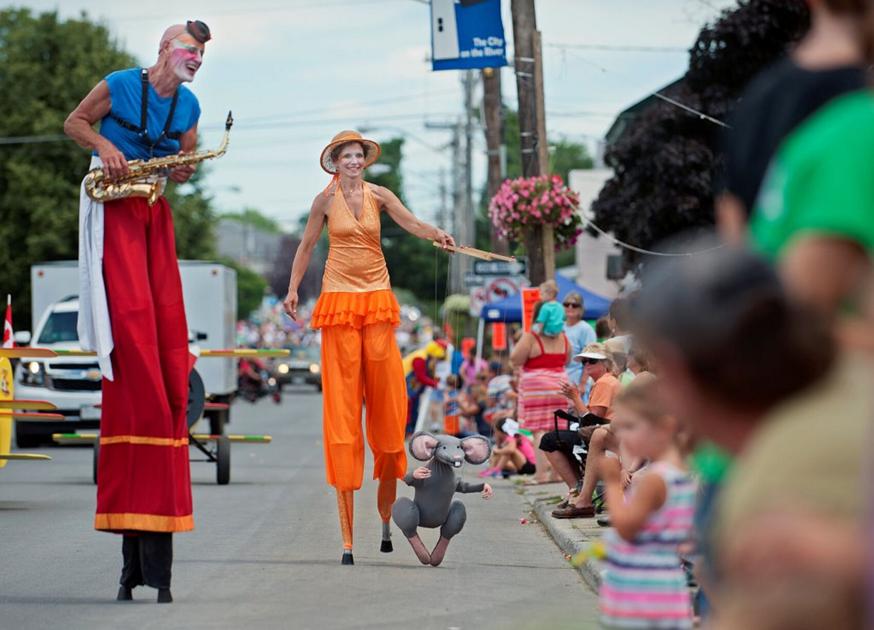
(413, 263)
(250, 288)
(47, 66)
(253, 217)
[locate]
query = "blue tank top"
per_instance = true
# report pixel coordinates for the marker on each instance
(125, 90)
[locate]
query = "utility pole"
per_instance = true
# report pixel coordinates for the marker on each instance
(543, 151)
(531, 126)
(493, 116)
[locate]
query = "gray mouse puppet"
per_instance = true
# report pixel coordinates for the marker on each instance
(435, 483)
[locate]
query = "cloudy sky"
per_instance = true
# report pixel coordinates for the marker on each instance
(296, 72)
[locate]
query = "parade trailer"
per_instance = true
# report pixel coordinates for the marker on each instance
(73, 383)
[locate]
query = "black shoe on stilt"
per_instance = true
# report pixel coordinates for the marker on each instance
(164, 596)
(347, 558)
(125, 594)
(386, 546)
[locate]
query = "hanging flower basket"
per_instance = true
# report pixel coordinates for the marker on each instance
(528, 202)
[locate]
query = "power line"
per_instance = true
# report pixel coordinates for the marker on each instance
(283, 8)
(691, 110)
(388, 99)
(620, 48)
(242, 126)
(641, 250)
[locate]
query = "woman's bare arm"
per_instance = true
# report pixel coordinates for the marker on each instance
(521, 350)
(311, 233)
(401, 215)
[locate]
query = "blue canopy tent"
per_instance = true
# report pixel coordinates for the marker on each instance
(509, 309)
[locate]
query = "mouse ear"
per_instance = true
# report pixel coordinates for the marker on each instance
(476, 449)
(422, 446)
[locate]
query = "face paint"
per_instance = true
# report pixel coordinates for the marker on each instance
(185, 59)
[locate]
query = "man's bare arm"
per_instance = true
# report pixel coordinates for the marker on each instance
(79, 126)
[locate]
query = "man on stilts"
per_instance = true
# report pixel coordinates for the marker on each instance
(131, 308)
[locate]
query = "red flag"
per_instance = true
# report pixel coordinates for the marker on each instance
(8, 334)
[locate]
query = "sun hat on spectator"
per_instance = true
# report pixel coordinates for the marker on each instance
(592, 351)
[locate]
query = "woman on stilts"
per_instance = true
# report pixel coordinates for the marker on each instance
(357, 314)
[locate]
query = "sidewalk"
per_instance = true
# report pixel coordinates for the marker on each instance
(571, 535)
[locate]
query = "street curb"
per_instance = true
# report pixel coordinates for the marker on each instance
(570, 535)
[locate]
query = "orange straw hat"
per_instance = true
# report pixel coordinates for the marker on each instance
(371, 150)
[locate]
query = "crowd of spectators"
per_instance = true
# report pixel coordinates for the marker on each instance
(722, 414)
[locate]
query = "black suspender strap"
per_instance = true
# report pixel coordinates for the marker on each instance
(166, 131)
(144, 101)
(142, 130)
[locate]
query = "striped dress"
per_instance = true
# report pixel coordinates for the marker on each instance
(644, 585)
(540, 388)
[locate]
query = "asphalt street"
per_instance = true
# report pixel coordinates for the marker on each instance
(266, 549)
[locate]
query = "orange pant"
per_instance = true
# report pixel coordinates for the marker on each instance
(361, 365)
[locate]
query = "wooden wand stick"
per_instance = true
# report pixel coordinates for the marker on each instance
(476, 253)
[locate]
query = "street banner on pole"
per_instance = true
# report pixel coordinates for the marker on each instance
(467, 34)
(530, 297)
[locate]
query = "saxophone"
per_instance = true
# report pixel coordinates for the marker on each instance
(144, 177)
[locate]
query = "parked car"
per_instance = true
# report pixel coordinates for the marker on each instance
(71, 383)
(302, 367)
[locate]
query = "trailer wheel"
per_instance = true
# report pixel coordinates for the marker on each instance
(95, 459)
(217, 420)
(223, 460)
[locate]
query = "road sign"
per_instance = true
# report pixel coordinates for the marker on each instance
(500, 267)
(467, 34)
(495, 288)
(472, 280)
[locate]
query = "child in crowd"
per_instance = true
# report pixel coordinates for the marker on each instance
(512, 452)
(644, 584)
(548, 293)
(451, 409)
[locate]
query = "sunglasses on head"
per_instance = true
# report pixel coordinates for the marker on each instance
(571, 305)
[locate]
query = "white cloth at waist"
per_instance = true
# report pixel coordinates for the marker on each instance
(94, 326)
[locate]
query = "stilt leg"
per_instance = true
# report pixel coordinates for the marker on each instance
(386, 546)
(346, 509)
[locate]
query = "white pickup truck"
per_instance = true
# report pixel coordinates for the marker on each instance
(73, 383)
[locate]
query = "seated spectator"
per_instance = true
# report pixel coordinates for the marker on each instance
(559, 446)
(638, 360)
(602, 329)
(451, 408)
(512, 453)
(470, 367)
(579, 334)
(472, 405)
(501, 395)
